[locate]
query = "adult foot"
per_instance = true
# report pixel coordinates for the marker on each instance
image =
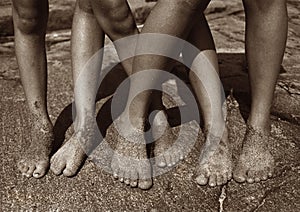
(166, 151)
(130, 163)
(215, 168)
(35, 160)
(255, 162)
(70, 157)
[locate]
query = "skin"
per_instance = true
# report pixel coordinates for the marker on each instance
(30, 20)
(213, 171)
(91, 21)
(218, 168)
(266, 34)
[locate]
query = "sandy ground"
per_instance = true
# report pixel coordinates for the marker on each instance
(95, 190)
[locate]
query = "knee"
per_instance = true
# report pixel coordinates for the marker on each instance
(85, 6)
(186, 6)
(30, 16)
(263, 6)
(115, 11)
(117, 16)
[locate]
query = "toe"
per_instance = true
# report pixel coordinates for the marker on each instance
(161, 161)
(121, 175)
(168, 159)
(127, 177)
(40, 169)
(202, 179)
(116, 173)
(251, 176)
(69, 171)
(134, 179)
(229, 176)
(220, 179)
(57, 167)
(30, 170)
(145, 184)
(239, 174)
(213, 180)
(22, 166)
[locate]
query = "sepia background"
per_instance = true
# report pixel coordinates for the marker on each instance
(94, 189)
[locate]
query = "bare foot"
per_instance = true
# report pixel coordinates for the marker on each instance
(130, 163)
(35, 161)
(166, 151)
(256, 162)
(70, 157)
(217, 170)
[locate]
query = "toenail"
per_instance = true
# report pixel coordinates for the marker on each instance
(250, 180)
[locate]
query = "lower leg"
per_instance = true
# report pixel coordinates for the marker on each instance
(30, 19)
(87, 40)
(266, 33)
(215, 160)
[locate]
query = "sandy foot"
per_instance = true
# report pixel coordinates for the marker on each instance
(70, 157)
(217, 169)
(166, 151)
(255, 162)
(35, 160)
(130, 163)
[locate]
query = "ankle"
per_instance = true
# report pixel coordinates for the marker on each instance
(261, 123)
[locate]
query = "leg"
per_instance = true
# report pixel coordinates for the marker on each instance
(87, 39)
(117, 21)
(138, 109)
(30, 20)
(208, 89)
(266, 33)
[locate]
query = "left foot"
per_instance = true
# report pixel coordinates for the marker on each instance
(217, 169)
(130, 163)
(256, 162)
(166, 151)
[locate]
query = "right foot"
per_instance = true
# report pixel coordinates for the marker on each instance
(35, 160)
(216, 169)
(130, 163)
(70, 157)
(166, 151)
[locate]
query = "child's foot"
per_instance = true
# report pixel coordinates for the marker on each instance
(166, 151)
(217, 169)
(35, 160)
(256, 162)
(130, 163)
(70, 157)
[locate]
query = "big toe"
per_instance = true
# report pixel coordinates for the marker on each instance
(57, 167)
(239, 174)
(161, 161)
(30, 170)
(71, 169)
(22, 166)
(41, 169)
(201, 179)
(145, 184)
